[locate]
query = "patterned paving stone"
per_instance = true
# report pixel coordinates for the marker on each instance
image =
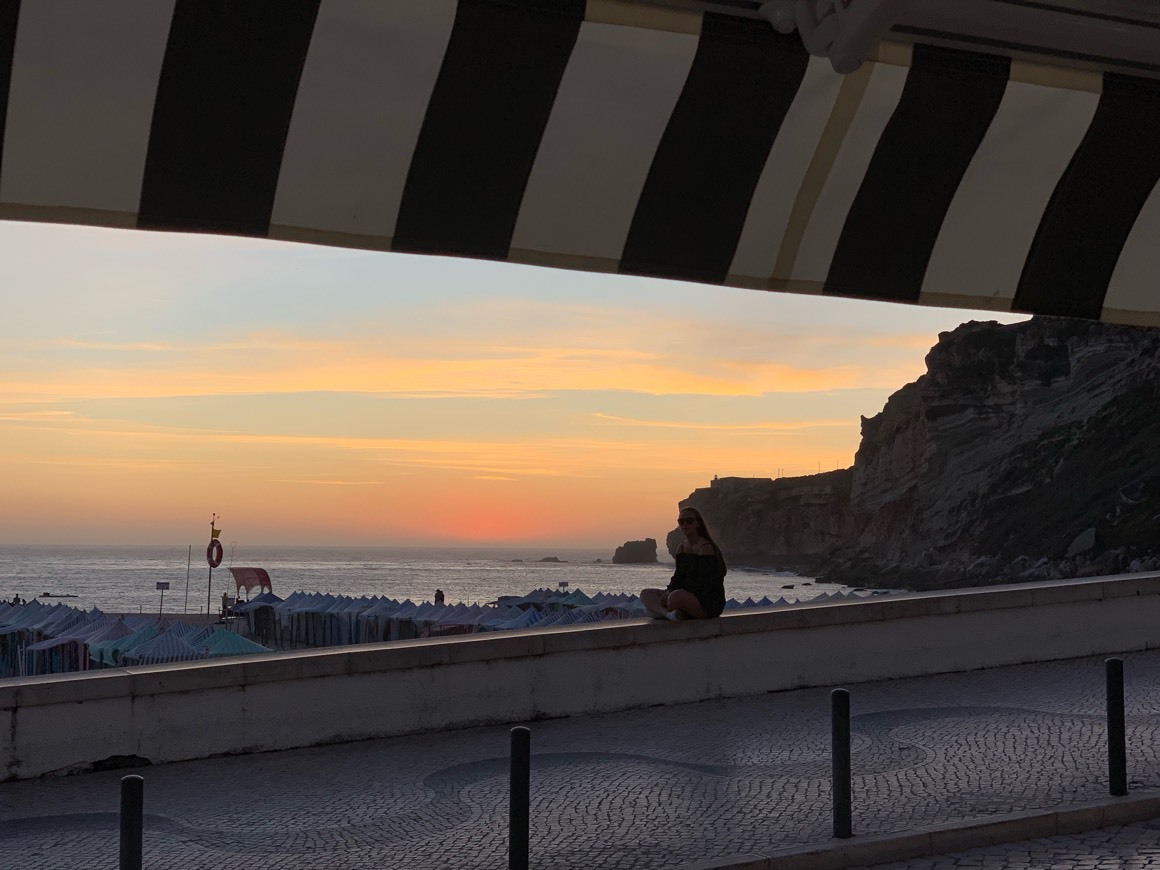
(650, 788)
(1124, 847)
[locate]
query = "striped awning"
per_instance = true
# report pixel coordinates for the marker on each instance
(604, 135)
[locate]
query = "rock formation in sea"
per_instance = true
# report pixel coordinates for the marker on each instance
(1027, 451)
(636, 552)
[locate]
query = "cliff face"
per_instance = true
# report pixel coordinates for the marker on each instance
(1026, 451)
(790, 521)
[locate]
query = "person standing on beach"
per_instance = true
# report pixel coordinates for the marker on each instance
(697, 590)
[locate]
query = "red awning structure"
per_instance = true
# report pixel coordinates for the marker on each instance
(251, 578)
(989, 154)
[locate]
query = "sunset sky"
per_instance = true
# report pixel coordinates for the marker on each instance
(321, 396)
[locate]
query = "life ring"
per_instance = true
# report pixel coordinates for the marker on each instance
(213, 553)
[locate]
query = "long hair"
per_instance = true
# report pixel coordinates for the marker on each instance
(708, 537)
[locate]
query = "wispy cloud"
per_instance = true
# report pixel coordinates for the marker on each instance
(32, 416)
(761, 426)
(127, 347)
(331, 482)
(473, 367)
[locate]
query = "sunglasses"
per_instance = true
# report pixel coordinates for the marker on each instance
(684, 521)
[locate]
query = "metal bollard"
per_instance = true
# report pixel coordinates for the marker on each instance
(520, 800)
(1117, 741)
(840, 749)
(132, 821)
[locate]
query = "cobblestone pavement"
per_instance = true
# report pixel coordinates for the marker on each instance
(648, 788)
(1124, 847)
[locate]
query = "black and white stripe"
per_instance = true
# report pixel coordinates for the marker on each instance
(224, 99)
(1096, 204)
(987, 232)
(9, 15)
(593, 135)
(346, 160)
(483, 126)
(947, 105)
(611, 110)
(692, 209)
(87, 153)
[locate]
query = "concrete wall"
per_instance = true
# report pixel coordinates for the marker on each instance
(193, 710)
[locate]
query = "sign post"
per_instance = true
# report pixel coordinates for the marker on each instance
(162, 585)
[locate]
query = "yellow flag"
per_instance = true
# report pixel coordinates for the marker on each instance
(213, 533)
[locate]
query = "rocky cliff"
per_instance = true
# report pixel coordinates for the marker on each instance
(1027, 451)
(636, 552)
(789, 522)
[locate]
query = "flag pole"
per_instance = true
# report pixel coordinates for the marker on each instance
(213, 535)
(188, 562)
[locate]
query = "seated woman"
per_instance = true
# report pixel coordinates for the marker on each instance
(697, 590)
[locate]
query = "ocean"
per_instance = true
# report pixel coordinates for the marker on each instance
(124, 579)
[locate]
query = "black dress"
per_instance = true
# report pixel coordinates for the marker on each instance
(702, 576)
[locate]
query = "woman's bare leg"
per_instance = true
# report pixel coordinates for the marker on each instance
(686, 602)
(654, 601)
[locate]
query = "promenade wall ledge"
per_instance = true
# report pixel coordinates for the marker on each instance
(72, 722)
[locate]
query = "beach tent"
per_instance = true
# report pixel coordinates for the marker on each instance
(195, 640)
(300, 619)
(181, 629)
(537, 598)
(460, 619)
(946, 152)
(527, 619)
(266, 599)
(108, 653)
(572, 616)
(22, 626)
(493, 615)
(55, 619)
(259, 615)
(114, 630)
(163, 648)
(320, 620)
(64, 653)
(590, 614)
(374, 622)
(221, 643)
(400, 625)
